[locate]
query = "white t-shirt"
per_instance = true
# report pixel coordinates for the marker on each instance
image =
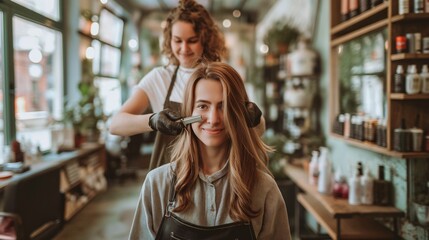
(157, 81)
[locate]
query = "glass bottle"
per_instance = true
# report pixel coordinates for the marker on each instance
(399, 84)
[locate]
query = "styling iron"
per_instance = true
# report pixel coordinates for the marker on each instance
(192, 119)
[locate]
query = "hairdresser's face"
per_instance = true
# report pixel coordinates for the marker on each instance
(209, 104)
(185, 43)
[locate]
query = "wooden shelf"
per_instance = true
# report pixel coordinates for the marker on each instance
(359, 32)
(403, 96)
(409, 56)
(360, 20)
(410, 17)
(375, 148)
(356, 221)
(335, 206)
(351, 228)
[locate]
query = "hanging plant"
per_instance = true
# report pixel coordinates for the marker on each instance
(280, 36)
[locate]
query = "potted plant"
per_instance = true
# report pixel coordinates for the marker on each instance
(88, 111)
(281, 36)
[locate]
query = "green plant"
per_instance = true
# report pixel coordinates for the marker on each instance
(88, 111)
(281, 33)
(277, 159)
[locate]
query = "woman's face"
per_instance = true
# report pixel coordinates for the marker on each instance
(185, 44)
(209, 104)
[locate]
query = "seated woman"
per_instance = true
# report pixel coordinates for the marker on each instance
(220, 185)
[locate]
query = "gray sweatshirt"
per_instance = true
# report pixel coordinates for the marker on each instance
(210, 204)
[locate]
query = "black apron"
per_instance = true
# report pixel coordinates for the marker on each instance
(172, 227)
(161, 147)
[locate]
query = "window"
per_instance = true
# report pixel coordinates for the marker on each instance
(38, 80)
(33, 93)
(48, 8)
(110, 94)
(111, 28)
(103, 47)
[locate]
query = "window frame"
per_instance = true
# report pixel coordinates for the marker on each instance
(11, 9)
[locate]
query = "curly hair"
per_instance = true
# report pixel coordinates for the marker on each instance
(210, 36)
(247, 153)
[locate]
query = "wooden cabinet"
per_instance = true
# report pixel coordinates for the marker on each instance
(395, 106)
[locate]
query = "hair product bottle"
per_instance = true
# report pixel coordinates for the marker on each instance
(413, 82)
(313, 169)
(424, 75)
(418, 6)
(404, 6)
(399, 85)
(367, 183)
(325, 172)
(382, 189)
(355, 189)
(344, 10)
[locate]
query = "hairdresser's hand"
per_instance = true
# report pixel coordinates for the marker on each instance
(165, 122)
(253, 114)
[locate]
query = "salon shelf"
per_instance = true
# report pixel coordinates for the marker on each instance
(382, 150)
(410, 17)
(403, 96)
(378, 12)
(409, 56)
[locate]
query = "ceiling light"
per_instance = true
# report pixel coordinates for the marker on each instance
(236, 13)
(226, 23)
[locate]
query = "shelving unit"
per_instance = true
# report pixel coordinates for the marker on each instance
(81, 179)
(397, 105)
(292, 100)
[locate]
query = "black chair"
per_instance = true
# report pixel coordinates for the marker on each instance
(36, 205)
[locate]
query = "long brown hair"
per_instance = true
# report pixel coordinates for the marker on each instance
(204, 26)
(247, 153)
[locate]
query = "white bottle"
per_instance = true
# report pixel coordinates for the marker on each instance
(413, 81)
(424, 76)
(324, 184)
(313, 169)
(367, 186)
(404, 6)
(355, 189)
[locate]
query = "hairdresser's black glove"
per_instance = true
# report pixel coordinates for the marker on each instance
(165, 122)
(253, 114)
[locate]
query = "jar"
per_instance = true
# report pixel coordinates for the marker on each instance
(401, 44)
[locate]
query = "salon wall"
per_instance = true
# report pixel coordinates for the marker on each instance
(344, 156)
